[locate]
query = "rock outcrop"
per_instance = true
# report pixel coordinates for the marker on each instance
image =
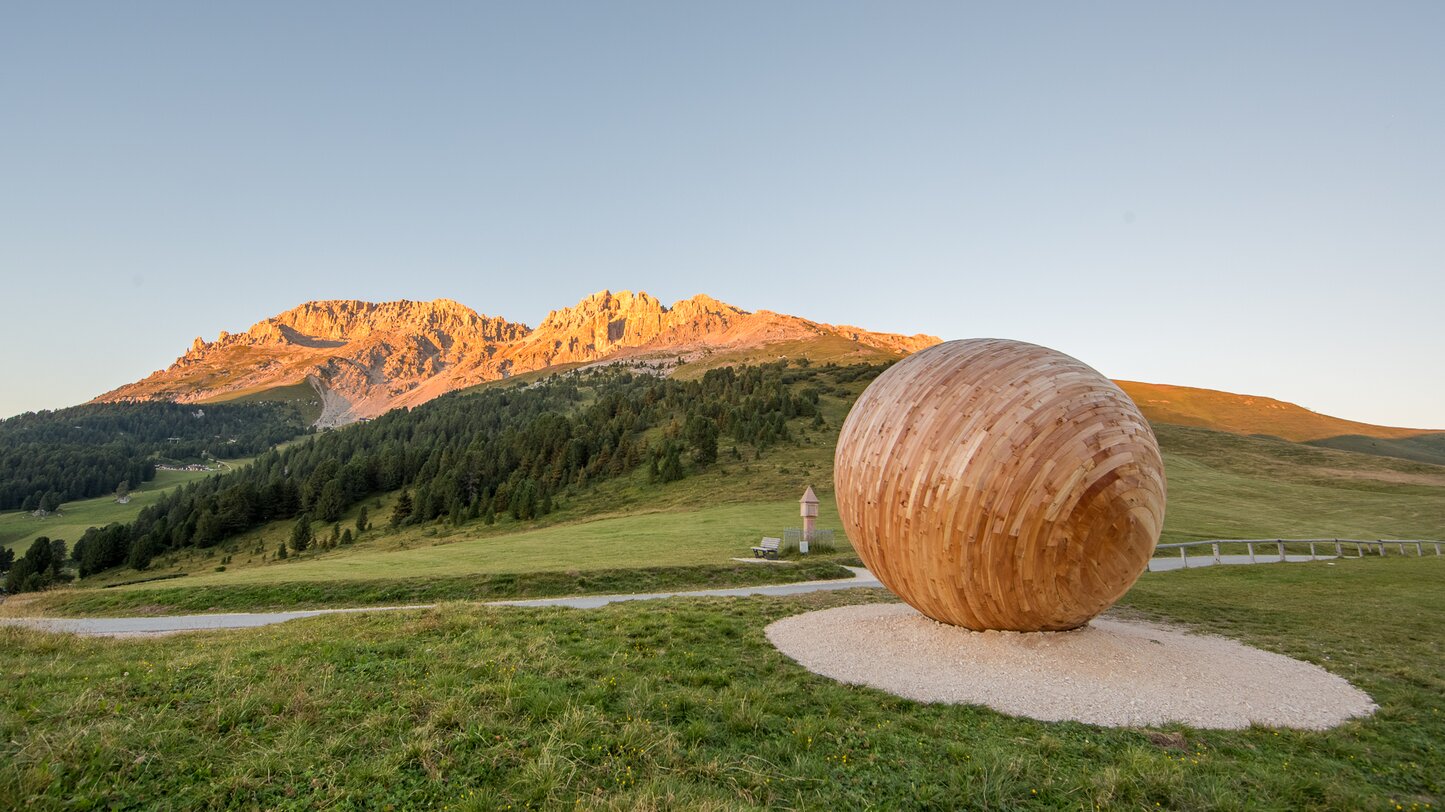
(364, 358)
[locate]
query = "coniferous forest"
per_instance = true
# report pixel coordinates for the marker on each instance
(48, 458)
(473, 454)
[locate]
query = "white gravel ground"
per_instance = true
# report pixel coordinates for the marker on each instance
(1111, 672)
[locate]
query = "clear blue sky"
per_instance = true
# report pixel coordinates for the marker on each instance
(1243, 196)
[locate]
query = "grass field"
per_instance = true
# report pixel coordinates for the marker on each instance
(706, 536)
(1249, 414)
(155, 598)
(18, 529)
(301, 395)
(684, 704)
(1227, 486)
(821, 350)
(1220, 486)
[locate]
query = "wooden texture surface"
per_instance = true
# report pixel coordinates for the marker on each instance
(994, 484)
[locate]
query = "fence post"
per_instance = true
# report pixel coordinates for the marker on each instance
(1215, 548)
(1359, 551)
(1279, 543)
(1312, 551)
(1184, 557)
(1437, 548)
(1382, 548)
(1339, 553)
(1418, 550)
(1251, 552)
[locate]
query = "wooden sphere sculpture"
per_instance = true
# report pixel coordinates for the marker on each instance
(994, 484)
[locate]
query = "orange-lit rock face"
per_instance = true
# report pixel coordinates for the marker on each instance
(363, 358)
(994, 484)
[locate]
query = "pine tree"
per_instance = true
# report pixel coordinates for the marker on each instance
(671, 469)
(208, 530)
(281, 550)
(301, 533)
(701, 435)
(361, 521)
(402, 510)
(346, 537)
(331, 503)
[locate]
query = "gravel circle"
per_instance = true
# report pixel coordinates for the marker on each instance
(1111, 672)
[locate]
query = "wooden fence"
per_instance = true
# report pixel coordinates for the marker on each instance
(1277, 548)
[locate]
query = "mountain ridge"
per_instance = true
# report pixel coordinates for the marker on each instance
(363, 358)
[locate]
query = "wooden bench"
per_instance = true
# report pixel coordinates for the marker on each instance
(768, 549)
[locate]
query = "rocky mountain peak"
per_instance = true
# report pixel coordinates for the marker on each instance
(363, 358)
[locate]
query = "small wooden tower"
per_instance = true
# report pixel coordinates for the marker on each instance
(809, 504)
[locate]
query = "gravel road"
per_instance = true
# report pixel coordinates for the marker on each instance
(145, 626)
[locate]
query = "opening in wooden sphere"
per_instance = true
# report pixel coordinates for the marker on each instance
(995, 484)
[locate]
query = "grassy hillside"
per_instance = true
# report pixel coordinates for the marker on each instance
(709, 535)
(1247, 414)
(302, 396)
(18, 529)
(1227, 486)
(1252, 415)
(822, 350)
(684, 704)
(1420, 448)
(1221, 485)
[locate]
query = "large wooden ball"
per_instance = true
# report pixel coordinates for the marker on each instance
(994, 484)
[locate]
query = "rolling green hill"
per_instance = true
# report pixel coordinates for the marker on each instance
(18, 528)
(1221, 485)
(302, 396)
(1252, 415)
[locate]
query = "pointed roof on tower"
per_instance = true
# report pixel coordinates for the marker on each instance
(809, 498)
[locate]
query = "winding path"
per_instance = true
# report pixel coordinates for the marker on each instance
(149, 626)
(173, 624)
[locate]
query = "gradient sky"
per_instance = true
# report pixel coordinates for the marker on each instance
(1241, 196)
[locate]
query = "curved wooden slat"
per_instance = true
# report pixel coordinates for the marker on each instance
(995, 484)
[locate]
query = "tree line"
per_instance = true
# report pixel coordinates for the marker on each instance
(475, 455)
(41, 565)
(51, 457)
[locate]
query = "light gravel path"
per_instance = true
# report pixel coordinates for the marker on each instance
(1111, 672)
(172, 624)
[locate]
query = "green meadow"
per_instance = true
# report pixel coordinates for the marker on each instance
(1220, 486)
(683, 704)
(18, 529)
